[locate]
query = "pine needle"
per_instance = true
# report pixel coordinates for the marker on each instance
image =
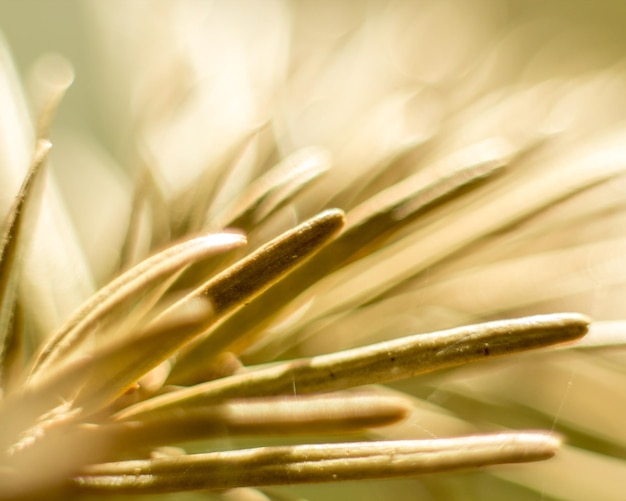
(378, 363)
(12, 234)
(314, 463)
(141, 277)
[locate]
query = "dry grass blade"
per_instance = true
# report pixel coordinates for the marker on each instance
(267, 265)
(368, 227)
(194, 207)
(141, 277)
(401, 261)
(376, 220)
(11, 235)
(276, 188)
(265, 196)
(249, 277)
(378, 363)
(14, 352)
(97, 379)
(336, 413)
(314, 463)
(93, 381)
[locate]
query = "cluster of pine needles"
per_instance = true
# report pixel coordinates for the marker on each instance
(283, 329)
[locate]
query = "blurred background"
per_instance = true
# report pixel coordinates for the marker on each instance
(33, 28)
(585, 32)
